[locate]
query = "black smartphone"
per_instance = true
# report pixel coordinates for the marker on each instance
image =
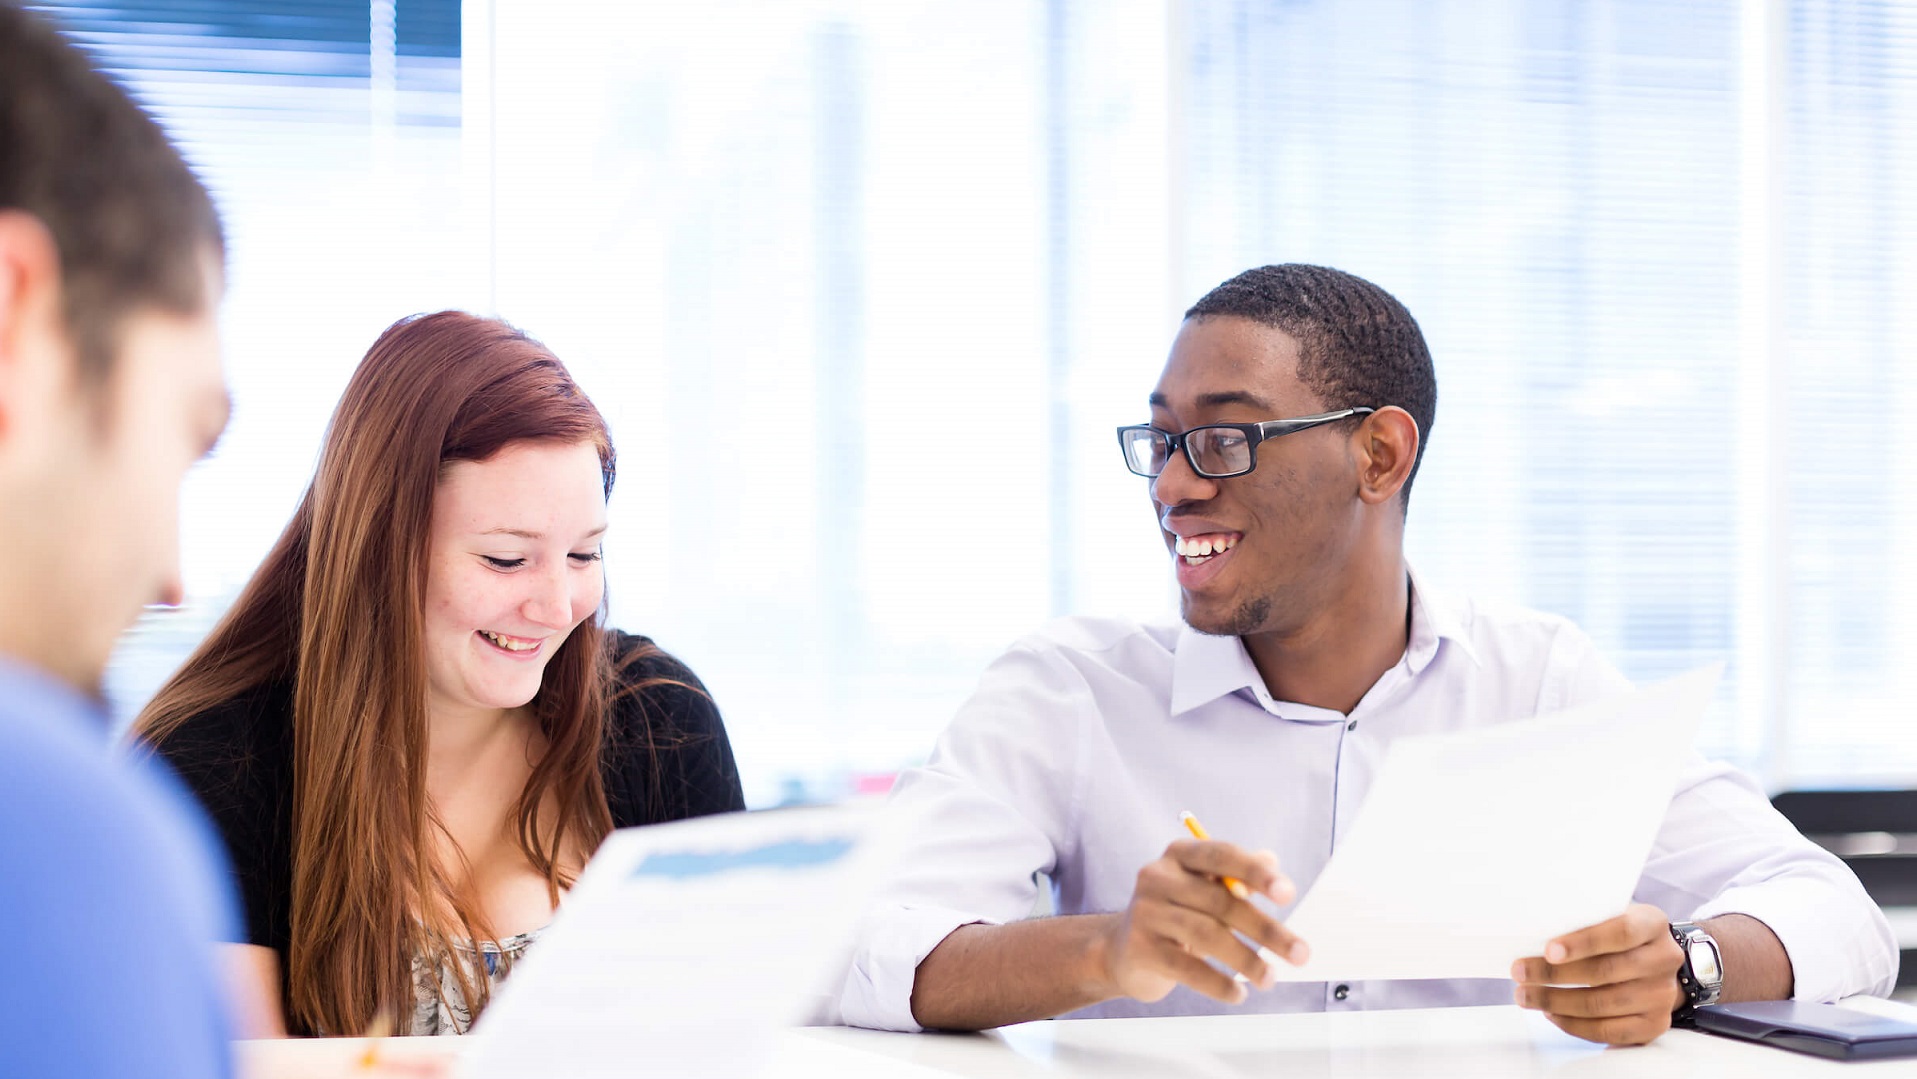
(1826, 1030)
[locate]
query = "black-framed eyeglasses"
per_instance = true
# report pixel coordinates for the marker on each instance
(1216, 450)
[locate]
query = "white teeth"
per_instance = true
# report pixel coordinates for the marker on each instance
(1201, 547)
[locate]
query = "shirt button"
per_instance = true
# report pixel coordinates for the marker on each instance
(1341, 992)
(1352, 726)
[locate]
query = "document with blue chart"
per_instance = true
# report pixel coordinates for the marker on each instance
(685, 947)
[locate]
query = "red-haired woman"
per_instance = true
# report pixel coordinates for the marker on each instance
(411, 728)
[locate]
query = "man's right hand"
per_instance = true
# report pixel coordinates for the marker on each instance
(1181, 914)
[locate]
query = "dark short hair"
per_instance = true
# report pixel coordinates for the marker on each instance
(1357, 345)
(130, 220)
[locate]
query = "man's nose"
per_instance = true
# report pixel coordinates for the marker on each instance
(172, 588)
(1179, 483)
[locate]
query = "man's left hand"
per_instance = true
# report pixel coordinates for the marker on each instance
(1615, 982)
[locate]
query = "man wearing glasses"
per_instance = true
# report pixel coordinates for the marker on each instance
(1306, 645)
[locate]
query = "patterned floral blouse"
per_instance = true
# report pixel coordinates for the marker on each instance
(438, 1005)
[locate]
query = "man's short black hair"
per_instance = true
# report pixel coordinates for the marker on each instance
(130, 220)
(1357, 345)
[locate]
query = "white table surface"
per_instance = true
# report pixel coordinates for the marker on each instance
(1491, 1043)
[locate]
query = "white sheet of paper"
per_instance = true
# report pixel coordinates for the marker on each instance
(685, 947)
(1474, 848)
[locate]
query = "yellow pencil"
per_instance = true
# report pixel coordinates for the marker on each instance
(376, 1031)
(1197, 830)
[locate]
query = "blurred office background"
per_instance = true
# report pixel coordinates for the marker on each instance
(864, 287)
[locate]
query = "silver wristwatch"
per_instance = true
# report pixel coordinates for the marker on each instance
(1702, 974)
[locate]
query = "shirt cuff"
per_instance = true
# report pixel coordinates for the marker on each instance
(892, 943)
(1836, 949)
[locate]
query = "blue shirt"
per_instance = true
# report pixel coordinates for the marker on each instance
(111, 896)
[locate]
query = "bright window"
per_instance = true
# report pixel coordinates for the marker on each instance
(863, 289)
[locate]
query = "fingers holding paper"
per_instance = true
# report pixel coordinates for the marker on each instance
(1614, 982)
(1182, 914)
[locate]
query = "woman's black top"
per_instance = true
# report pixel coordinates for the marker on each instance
(665, 757)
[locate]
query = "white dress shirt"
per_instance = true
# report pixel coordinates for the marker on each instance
(1083, 743)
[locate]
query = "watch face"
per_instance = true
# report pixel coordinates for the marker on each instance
(1704, 962)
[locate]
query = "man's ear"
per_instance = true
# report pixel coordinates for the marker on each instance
(30, 319)
(1387, 446)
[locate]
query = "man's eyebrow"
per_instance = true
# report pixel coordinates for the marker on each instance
(1214, 400)
(526, 535)
(1232, 397)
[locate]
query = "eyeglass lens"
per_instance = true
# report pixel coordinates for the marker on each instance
(1145, 451)
(1218, 450)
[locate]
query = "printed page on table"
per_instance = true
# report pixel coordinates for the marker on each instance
(685, 947)
(1474, 848)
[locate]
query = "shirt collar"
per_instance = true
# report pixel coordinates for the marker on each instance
(1206, 667)
(1435, 617)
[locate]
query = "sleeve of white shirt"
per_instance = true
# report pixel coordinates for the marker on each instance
(992, 808)
(1723, 850)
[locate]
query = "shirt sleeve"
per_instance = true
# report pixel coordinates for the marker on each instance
(990, 810)
(1722, 849)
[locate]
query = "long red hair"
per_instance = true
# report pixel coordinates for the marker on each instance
(337, 609)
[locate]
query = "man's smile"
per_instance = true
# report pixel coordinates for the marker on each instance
(1195, 550)
(1198, 557)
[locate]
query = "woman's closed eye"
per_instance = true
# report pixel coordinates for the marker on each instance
(581, 558)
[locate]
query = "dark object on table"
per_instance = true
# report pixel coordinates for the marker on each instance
(1825, 1030)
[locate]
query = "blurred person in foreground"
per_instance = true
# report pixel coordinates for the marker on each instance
(112, 886)
(1285, 432)
(111, 265)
